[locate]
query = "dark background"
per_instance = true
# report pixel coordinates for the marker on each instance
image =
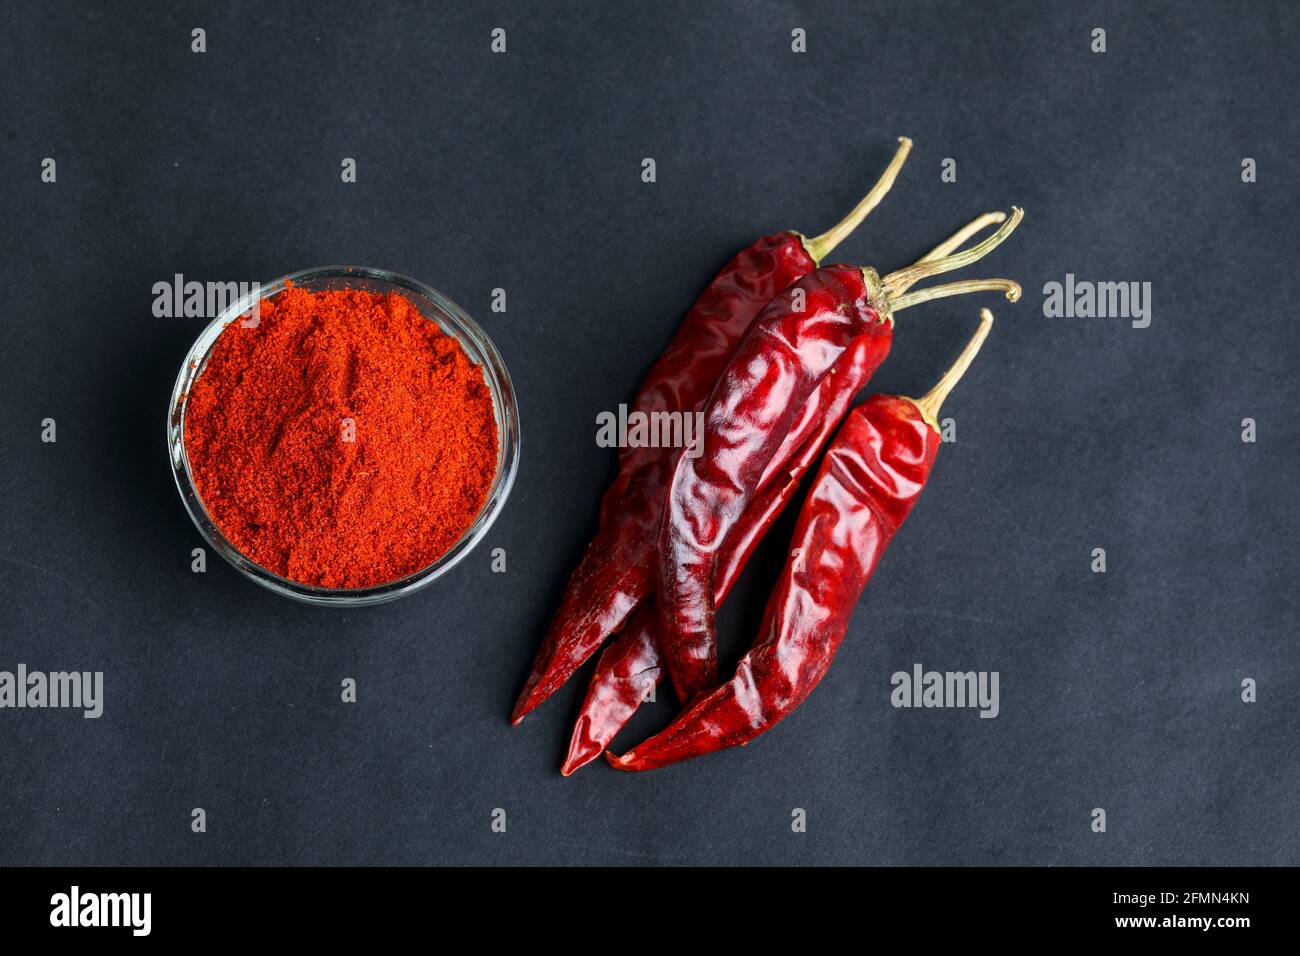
(476, 170)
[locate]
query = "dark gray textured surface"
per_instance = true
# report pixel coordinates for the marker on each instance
(475, 171)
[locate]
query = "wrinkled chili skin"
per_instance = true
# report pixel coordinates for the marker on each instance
(632, 664)
(617, 571)
(870, 479)
(771, 376)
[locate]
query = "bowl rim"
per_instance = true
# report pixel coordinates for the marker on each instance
(480, 349)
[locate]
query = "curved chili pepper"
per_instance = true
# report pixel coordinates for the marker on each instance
(617, 571)
(631, 666)
(871, 477)
(792, 344)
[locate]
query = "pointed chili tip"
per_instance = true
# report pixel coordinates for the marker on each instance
(523, 706)
(582, 749)
(620, 763)
(530, 698)
(577, 759)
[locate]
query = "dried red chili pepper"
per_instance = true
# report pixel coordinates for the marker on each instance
(632, 665)
(871, 477)
(792, 344)
(617, 571)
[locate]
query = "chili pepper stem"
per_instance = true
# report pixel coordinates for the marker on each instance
(961, 235)
(965, 287)
(819, 247)
(896, 283)
(929, 405)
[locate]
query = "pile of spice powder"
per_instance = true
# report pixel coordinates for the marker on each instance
(344, 440)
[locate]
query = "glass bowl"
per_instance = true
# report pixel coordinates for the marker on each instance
(436, 307)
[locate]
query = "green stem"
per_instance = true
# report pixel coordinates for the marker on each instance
(962, 234)
(896, 283)
(933, 400)
(821, 246)
(1007, 286)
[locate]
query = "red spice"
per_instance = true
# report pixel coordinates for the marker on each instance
(267, 423)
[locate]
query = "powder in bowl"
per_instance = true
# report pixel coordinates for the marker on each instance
(343, 441)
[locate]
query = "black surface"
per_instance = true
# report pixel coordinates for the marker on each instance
(220, 904)
(523, 171)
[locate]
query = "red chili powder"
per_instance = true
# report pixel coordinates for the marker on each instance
(344, 441)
